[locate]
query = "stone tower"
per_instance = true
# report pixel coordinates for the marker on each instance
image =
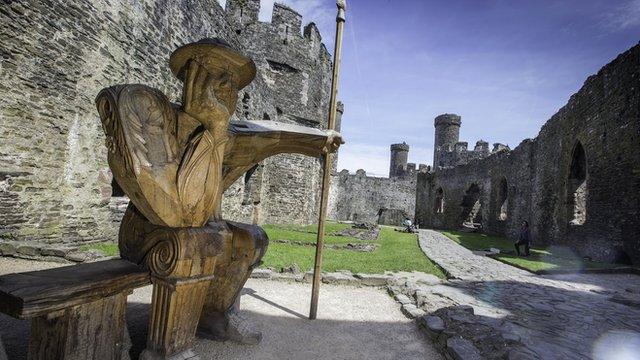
(446, 136)
(243, 11)
(398, 163)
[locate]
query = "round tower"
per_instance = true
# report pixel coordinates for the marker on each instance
(447, 135)
(399, 156)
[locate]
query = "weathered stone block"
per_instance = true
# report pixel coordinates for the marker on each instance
(411, 311)
(56, 251)
(462, 349)
(372, 280)
(7, 248)
(403, 299)
(262, 274)
(28, 249)
(339, 279)
(433, 323)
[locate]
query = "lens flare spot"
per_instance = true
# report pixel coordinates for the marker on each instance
(617, 345)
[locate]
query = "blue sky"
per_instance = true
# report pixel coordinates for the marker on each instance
(504, 66)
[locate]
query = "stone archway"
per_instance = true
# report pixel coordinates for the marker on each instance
(471, 207)
(577, 187)
(502, 197)
(439, 201)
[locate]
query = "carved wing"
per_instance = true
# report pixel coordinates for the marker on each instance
(140, 126)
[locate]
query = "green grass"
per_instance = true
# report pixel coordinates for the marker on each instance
(397, 252)
(109, 249)
(307, 233)
(540, 260)
(330, 227)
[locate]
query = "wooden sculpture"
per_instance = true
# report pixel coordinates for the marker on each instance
(174, 162)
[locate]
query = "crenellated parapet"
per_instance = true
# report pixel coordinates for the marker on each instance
(287, 21)
(291, 61)
(449, 151)
(243, 12)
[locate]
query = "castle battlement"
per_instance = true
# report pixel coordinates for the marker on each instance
(449, 151)
(285, 22)
(290, 61)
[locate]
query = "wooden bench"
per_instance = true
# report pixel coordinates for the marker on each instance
(76, 312)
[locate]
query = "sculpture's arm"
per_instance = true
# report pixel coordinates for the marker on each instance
(250, 142)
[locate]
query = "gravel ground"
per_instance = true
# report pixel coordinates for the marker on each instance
(353, 323)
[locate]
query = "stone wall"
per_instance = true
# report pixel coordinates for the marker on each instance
(597, 134)
(358, 197)
(55, 185)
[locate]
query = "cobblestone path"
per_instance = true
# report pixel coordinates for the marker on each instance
(576, 316)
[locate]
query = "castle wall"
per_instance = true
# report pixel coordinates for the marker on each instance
(294, 71)
(358, 197)
(603, 118)
(55, 184)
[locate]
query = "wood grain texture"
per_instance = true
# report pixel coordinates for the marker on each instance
(175, 310)
(93, 330)
(241, 255)
(35, 293)
(174, 162)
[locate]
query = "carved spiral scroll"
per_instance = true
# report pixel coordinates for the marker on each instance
(163, 258)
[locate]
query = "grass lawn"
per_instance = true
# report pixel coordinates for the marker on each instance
(109, 249)
(540, 260)
(397, 251)
(307, 233)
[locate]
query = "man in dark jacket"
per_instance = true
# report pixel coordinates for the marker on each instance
(523, 239)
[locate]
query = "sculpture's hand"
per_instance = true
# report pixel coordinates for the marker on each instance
(334, 140)
(201, 100)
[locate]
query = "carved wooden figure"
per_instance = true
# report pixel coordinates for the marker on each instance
(174, 162)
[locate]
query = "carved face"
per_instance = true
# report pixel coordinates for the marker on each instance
(210, 93)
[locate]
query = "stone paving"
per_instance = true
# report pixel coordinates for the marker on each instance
(494, 310)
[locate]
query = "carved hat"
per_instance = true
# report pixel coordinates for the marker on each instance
(217, 53)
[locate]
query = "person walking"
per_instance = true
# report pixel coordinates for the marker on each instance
(523, 239)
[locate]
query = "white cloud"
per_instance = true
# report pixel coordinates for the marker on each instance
(622, 17)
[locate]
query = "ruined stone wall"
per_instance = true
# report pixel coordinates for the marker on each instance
(358, 197)
(603, 117)
(55, 56)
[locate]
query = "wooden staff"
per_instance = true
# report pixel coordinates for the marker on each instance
(327, 160)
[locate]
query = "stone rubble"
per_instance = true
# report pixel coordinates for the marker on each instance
(366, 247)
(60, 253)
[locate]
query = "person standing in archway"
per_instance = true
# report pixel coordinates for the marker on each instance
(523, 239)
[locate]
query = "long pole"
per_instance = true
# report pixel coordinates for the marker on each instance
(327, 160)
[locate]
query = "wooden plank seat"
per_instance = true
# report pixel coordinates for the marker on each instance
(77, 311)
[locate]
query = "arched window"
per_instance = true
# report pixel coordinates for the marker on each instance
(577, 188)
(439, 204)
(501, 199)
(471, 213)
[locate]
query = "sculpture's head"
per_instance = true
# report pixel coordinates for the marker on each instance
(212, 73)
